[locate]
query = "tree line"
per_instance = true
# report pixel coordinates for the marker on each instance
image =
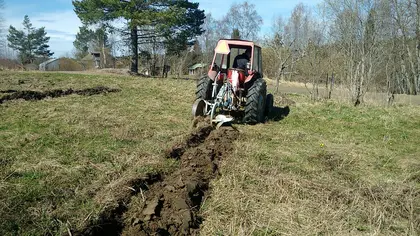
(2, 41)
(364, 45)
(170, 32)
(165, 25)
(31, 43)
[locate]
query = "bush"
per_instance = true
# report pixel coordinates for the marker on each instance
(68, 64)
(9, 64)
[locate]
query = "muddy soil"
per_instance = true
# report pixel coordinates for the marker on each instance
(170, 204)
(8, 91)
(36, 95)
(171, 207)
(193, 140)
(110, 221)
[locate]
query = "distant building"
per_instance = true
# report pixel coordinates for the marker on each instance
(61, 64)
(196, 69)
(97, 58)
(88, 62)
(92, 60)
(50, 65)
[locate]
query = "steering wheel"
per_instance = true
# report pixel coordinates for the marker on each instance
(215, 67)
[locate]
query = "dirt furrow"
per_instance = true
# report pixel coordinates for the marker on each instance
(36, 95)
(110, 221)
(170, 204)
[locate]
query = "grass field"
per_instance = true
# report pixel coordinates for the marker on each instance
(327, 168)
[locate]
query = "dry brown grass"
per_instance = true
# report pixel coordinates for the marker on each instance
(327, 169)
(8, 64)
(59, 156)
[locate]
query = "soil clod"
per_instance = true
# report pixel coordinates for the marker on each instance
(8, 91)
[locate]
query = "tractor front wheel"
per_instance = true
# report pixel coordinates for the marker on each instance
(255, 102)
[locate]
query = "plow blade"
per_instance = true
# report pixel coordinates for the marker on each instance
(203, 108)
(221, 120)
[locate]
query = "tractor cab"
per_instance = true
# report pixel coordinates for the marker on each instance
(223, 65)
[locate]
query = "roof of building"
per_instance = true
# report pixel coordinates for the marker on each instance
(49, 61)
(198, 65)
(88, 57)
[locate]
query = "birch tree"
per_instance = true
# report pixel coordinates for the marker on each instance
(2, 36)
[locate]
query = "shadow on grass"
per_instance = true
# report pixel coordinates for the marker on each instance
(278, 113)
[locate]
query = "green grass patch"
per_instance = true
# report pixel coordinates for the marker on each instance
(57, 154)
(327, 168)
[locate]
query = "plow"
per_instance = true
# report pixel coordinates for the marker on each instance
(234, 89)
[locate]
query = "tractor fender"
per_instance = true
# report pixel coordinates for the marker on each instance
(249, 78)
(252, 75)
(212, 74)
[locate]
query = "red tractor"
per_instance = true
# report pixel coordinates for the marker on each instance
(226, 93)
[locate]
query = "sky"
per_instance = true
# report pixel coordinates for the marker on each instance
(62, 24)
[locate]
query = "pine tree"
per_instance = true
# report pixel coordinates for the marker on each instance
(88, 40)
(30, 42)
(163, 21)
(236, 34)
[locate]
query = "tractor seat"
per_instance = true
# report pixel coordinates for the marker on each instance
(239, 74)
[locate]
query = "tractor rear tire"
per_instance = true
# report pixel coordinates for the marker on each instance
(255, 102)
(204, 88)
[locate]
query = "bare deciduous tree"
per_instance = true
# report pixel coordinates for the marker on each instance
(290, 41)
(243, 17)
(209, 38)
(2, 36)
(406, 16)
(366, 45)
(355, 33)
